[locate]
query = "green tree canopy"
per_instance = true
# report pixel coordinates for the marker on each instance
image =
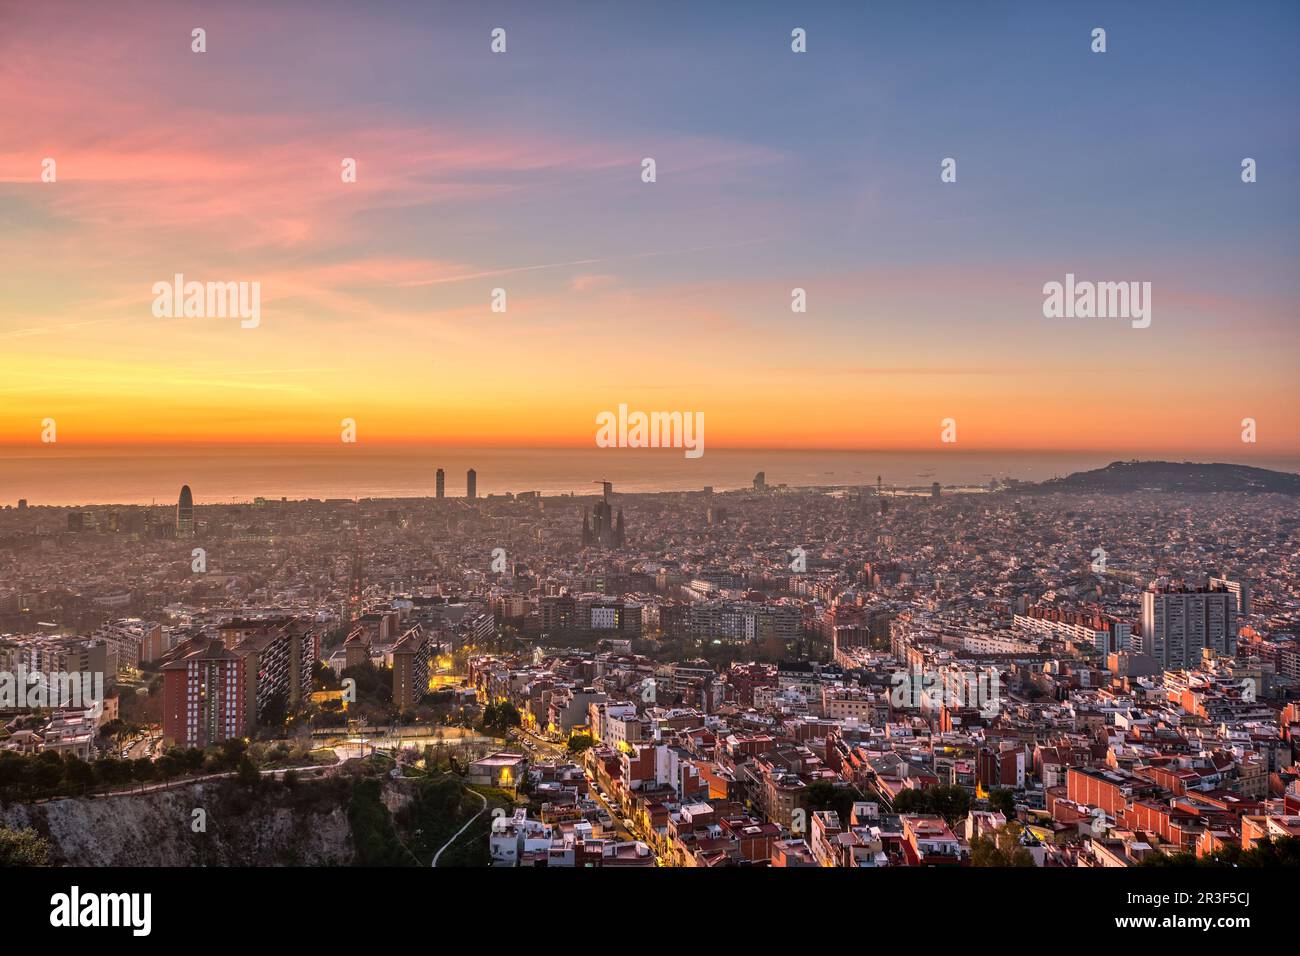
(826, 796)
(23, 848)
(1003, 800)
(1002, 848)
(1283, 852)
(950, 802)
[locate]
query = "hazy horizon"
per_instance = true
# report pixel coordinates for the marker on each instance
(65, 476)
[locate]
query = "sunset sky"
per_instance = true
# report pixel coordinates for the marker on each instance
(775, 171)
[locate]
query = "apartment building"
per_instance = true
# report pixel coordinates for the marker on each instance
(204, 689)
(412, 668)
(280, 653)
(1178, 623)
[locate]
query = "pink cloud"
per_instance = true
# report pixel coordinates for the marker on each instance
(591, 283)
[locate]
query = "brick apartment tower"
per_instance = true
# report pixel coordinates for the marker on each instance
(411, 668)
(203, 696)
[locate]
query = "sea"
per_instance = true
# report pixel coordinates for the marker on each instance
(63, 474)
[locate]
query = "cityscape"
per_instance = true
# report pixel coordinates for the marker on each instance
(775, 676)
(440, 441)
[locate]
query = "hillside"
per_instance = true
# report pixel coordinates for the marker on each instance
(343, 820)
(278, 826)
(1125, 476)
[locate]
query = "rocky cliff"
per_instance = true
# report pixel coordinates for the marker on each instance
(304, 825)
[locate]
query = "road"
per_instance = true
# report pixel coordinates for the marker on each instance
(560, 750)
(540, 746)
(309, 771)
(462, 829)
(620, 831)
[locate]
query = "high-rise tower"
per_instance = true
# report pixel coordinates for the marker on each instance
(185, 514)
(1179, 622)
(471, 484)
(441, 481)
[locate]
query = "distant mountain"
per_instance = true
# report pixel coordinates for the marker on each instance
(1121, 476)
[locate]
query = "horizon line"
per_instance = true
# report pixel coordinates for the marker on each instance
(894, 488)
(418, 444)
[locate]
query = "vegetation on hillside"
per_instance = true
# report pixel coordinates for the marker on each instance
(1281, 852)
(23, 847)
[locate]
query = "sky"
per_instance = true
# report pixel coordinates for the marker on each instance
(775, 170)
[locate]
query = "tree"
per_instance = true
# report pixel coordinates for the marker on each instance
(23, 848)
(911, 801)
(1182, 858)
(193, 759)
(579, 742)
(374, 836)
(1283, 852)
(231, 751)
(950, 802)
(110, 771)
(47, 773)
(510, 715)
(14, 769)
(170, 764)
(374, 684)
(77, 774)
(1003, 848)
(1003, 800)
(247, 773)
(772, 649)
(499, 717)
(275, 712)
(323, 676)
(826, 796)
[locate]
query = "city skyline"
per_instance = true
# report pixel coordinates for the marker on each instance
(69, 478)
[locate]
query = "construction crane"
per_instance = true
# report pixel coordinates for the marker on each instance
(355, 584)
(607, 486)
